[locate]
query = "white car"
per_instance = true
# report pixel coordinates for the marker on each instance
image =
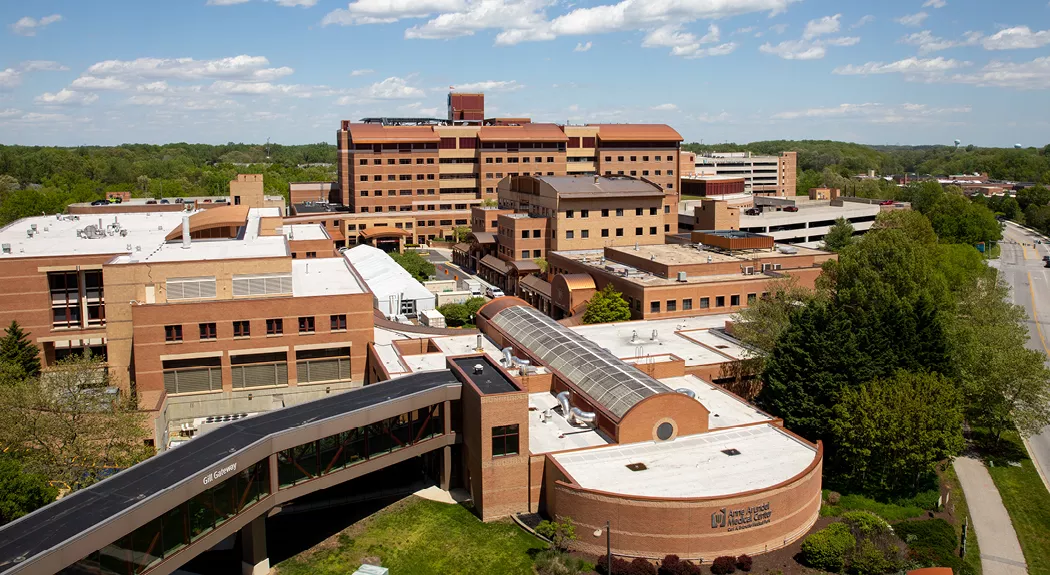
(494, 292)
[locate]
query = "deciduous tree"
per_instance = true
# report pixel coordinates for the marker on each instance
(21, 493)
(607, 305)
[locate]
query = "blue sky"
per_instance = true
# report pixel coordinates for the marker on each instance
(896, 71)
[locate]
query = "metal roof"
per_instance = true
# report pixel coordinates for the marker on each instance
(605, 378)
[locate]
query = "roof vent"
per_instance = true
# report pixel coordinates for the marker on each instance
(731, 451)
(637, 466)
(7, 248)
(478, 368)
(682, 276)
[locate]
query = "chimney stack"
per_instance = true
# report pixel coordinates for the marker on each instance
(186, 232)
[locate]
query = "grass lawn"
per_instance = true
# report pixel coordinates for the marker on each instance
(973, 552)
(889, 511)
(417, 537)
(1028, 503)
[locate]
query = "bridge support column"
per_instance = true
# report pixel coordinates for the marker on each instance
(446, 467)
(254, 559)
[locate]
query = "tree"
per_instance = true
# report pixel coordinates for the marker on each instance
(839, 236)
(18, 351)
(456, 314)
(923, 195)
(959, 221)
(889, 432)
(488, 203)
(607, 305)
(542, 263)
(414, 264)
(74, 430)
(1036, 195)
(142, 183)
(21, 493)
(914, 225)
(472, 305)
(461, 233)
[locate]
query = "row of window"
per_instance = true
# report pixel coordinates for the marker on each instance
(635, 158)
(499, 175)
(400, 161)
(379, 193)
(399, 177)
(68, 308)
(523, 160)
(671, 305)
(243, 328)
(619, 212)
(639, 231)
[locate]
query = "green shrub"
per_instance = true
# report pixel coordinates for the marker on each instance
(888, 511)
(865, 523)
(868, 559)
(553, 562)
(931, 542)
(827, 549)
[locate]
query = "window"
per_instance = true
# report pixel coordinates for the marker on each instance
(430, 160)
(499, 160)
(488, 161)
(377, 161)
(364, 178)
(670, 158)
(524, 234)
(639, 231)
(585, 213)
(734, 300)
(172, 333)
(720, 301)
(652, 211)
(569, 235)
(377, 178)
(669, 186)
(705, 302)
(654, 307)
(670, 172)
(687, 304)
(539, 160)
(652, 231)
(524, 254)
(338, 322)
(585, 234)
(619, 212)
(656, 172)
(364, 193)
(634, 158)
(306, 324)
(645, 158)
(569, 213)
(605, 233)
(390, 161)
(667, 209)
(608, 158)
(619, 158)
(634, 172)
(751, 298)
(274, 326)
(504, 440)
(419, 160)
(535, 233)
(667, 228)
(605, 213)
(65, 298)
(619, 232)
(311, 254)
(645, 172)
(242, 329)
(207, 331)
(405, 161)
(363, 162)
(536, 253)
(672, 305)
(639, 211)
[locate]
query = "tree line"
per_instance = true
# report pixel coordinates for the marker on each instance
(907, 334)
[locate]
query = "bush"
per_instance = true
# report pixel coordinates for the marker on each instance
(865, 523)
(834, 497)
(641, 567)
(723, 565)
(561, 534)
(930, 542)
(619, 566)
(743, 562)
(826, 549)
(868, 559)
(551, 562)
(672, 565)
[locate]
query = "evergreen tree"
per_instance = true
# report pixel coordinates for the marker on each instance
(839, 236)
(607, 306)
(17, 350)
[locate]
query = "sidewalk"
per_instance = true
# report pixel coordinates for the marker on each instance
(1000, 551)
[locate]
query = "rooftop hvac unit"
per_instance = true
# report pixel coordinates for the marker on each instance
(32, 227)
(749, 270)
(7, 248)
(681, 276)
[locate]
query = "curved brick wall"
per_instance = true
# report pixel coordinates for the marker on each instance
(651, 527)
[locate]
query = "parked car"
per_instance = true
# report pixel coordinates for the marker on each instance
(115, 200)
(207, 201)
(151, 201)
(100, 203)
(753, 212)
(886, 203)
(494, 292)
(1046, 258)
(791, 209)
(165, 202)
(1046, 264)
(178, 200)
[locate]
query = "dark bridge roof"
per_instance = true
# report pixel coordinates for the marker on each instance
(80, 511)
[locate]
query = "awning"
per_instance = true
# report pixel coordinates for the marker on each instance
(384, 233)
(525, 266)
(496, 264)
(537, 284)
(484, 237)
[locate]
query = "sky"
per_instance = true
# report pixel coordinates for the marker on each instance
(105, 72)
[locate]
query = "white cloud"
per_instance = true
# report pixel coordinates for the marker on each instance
(875, 113)
(10, 113)
(1034, 75)
(822, 27)
(392, 88)
(159, 87)
(686, 44)
(518, 20)
(864, 20)
(779, 28)
(93, 84)
(362, 72)
(745, 30)
(288, 3)
(243, 67)
(1016, 38)
(42, 66)
(66, 97)
(913, 68)
(490, 86)
(934, 4)
(10, 78)
(386, 11)
(913, 19)
(927, 42)
(147, 100)
(267, 89)
(28, 26)
(665, 108)
(225, 2)
(581, 47)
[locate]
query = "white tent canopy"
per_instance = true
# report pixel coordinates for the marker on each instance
(394, 290)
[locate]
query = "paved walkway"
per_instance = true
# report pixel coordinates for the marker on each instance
(1000, 552)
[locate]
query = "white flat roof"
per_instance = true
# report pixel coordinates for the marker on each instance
(384, 276)
(388, 355)
(726, 410)
(616, 337)
(305, 232)
(693, 466)
(251, 245)
(557, 434)
(809, 214)
(57, 235)
(323, 276)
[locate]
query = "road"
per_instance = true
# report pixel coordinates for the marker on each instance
(1022, 268)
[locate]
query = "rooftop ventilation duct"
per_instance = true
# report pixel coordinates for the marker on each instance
(563, 402)
(478, 368)
(686, 391)
(580, 416)
(508, 357)
(185, 232)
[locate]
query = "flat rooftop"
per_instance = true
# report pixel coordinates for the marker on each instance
(324, 276)
(57, 235)
(690, 338)
(693, 466)
(727, 410)
(809, 213)
(488, 379)
(249, 245)
(305, 232)
(547, 435)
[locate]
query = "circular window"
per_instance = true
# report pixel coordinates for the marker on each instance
(664, 431)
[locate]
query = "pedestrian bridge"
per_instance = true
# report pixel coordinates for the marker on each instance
(156, 516)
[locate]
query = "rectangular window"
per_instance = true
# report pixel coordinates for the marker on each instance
(569, 213)
(585, 234)
(652, 231)
(504, 440)
(687, 304)
(605, 233)
(585, 213)
(619, 232)
(705, 302)
(672, 305)
(634, 158)
(638, 231)
(524, 254)
(364, 178)
(65, 298)
(751, 298)
(207, 331)
(619, 212)
(605, 213)
(652, 211)
(720, 301)
(274, 326)
(242, 329)
(363, 162)
(338, 322)
(654, 307)
(569, 235)
(734, 300)
(306, 324)
(537, 253)
(172, 333)
(639, 211)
